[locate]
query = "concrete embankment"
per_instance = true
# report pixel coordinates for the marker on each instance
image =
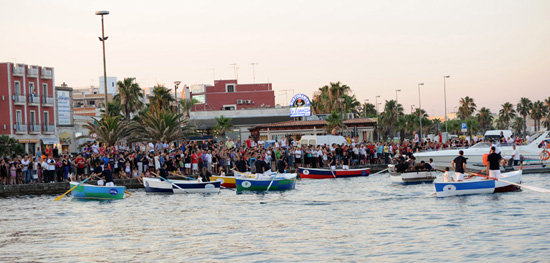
(59, 188)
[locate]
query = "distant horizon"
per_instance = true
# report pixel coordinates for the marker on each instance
(494, 51)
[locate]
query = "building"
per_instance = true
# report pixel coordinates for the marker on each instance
(111, 85)
(230, 95)
(27, 104)
(89, 101)
(362, 128)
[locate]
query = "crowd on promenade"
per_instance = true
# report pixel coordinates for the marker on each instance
(191, 158)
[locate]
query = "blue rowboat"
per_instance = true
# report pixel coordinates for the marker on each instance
(479, 186)
(278, 182)
(157, 185)
(88, 191)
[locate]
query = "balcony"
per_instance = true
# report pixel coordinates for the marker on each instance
(19, 99)
(34, 99)
(46, 73)
(48, 128)
(34, 128)
(47, 101)
(20, 127)
(33, 72)
(19, 70)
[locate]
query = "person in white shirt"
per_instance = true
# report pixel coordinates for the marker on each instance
(515, 155)
(50, 169)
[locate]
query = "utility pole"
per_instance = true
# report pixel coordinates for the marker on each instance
(102, 39)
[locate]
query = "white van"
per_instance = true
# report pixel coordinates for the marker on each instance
(322, 140)
(495, 134)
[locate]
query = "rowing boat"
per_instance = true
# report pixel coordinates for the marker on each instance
(411, 177)
(264, 182)
(157, 185)
(479, 186)
(322, 173)
(226, 181)
(97, 192)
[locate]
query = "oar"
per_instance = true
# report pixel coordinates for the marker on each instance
(169, 182)
(272, 179)
(128, 193)
(330, 168)
(186, 177)
(72, 188)
(380, 172)
(532, 188)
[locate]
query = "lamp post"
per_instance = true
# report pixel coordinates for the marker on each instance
(420, 109)
(445, 98)
(102, 39)
(412, 107)
(376, 101)
(341, 100)
(176, 84)
(397, 90)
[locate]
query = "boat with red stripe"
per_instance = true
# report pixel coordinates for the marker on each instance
(323, 173)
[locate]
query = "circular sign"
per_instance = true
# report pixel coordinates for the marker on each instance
(113, 191)
(363, 173)
(306, 172)
(246, 184)
(209, 186)
(449, 188)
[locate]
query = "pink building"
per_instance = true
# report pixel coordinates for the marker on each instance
(27, 103)
(230, 95)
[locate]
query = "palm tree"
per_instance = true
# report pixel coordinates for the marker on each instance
(130, 96)
(187, 105)
(223, 125)
(389, 118)
(161, 97)
(327, 99)
(114, 109)
(161, 125)
(538, 111)
(334, 122)
(467, 108)
(524, 107)
(484, 118)
(506, 114)
(369, 110)
(108, 130)
(546, 121)
(10, 146)
(517, 125)
(351, 104)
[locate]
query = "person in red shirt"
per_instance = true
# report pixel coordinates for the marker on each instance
(80, 162)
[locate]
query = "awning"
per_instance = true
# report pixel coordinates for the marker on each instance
(29, 140)
(50, 140)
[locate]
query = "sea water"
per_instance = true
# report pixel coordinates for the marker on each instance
(366, 219)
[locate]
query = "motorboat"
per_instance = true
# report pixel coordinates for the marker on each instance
(535, 151)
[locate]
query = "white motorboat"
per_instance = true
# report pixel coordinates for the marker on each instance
(411, 177)
(532, 152)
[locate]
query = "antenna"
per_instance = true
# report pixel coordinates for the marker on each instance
(253, 64)
(236, 69)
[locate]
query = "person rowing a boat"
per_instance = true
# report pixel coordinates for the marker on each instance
(459, 165)
(493, 163)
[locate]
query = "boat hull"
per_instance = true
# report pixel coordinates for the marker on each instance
(317, 173)
(479, 186)
(156, 185)
(226, 181)
(88, 191)
(253, 184)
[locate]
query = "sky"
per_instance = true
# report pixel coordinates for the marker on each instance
(494, 51)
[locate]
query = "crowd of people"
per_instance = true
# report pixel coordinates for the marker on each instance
(194, 158)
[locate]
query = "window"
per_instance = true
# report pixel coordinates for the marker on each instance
(18, 117)
(45, 89)
(46, 118)
(17, 87)
(229, 107)
(31, 88)
(32, 117)
(229, 87)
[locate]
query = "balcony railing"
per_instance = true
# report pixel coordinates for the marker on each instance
(48, 128)
(33, 72)
(19, 70)
(46, 73)
(34, 99)
(35, 128)
(47, 100)
(19, 99)
(20, 127)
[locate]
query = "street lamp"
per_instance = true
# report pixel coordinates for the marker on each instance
(420, 109)
(176, 84)
(397, 90)
(341, 100)
(376, 101)
(102, 39)
(412, 107)
(445, 98)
